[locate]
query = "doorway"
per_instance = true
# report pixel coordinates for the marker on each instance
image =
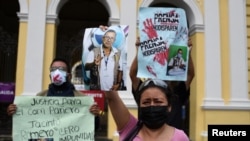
(74, 17)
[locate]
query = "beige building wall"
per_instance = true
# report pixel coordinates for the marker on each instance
(220, 90)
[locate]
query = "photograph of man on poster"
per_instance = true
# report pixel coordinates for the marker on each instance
(177, 61)
(104, 60)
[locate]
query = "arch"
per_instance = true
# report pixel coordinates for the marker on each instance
(75, 16)
(194, 15)
(73, 71)
(55, 6)
(112, 8)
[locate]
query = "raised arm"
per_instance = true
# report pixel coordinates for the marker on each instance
(118, 110)
(134, 68)
(190, 72)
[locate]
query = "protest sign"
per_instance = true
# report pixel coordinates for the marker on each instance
(53, 119)
(7, 92)
(99, 97)
(104, 73)
(163, 51)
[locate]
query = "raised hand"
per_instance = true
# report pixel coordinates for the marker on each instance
(115, 87)
(98, 59)
(149, 29)
(161, 57)
(190, 44)
(103, 28)
(95, 109)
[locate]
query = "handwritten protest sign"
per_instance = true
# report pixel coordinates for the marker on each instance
(163, 51)
(53, 119)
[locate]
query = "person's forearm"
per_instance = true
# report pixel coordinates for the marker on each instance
(134, 68)
(134, 65)
(88, 66)
(190, 72)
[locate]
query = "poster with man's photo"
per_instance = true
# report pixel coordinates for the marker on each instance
(163, 51)
(104, 58)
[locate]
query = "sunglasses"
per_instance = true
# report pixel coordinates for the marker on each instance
(156, 82)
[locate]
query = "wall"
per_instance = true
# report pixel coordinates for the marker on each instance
(220, 88)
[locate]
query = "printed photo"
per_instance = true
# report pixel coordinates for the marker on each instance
(105, 58)
(177, 61)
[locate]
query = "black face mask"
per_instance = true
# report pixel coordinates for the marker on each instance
(154, 117)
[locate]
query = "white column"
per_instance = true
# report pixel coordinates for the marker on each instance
(35, 47)
(129, 17)
(212, 55)
(238, 53)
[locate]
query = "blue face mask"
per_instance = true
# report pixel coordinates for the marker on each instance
(179, 55)
(154, 117)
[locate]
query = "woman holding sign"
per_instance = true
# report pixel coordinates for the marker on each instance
(180, 88)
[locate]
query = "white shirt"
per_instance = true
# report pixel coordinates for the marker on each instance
(106, 68)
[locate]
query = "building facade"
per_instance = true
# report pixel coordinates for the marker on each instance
(220, 32)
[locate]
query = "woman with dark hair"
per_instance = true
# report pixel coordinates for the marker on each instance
(154, 104)
(181, 90)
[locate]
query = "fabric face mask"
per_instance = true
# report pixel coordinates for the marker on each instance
(154, 117)
(179, 55)
(58, 77)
